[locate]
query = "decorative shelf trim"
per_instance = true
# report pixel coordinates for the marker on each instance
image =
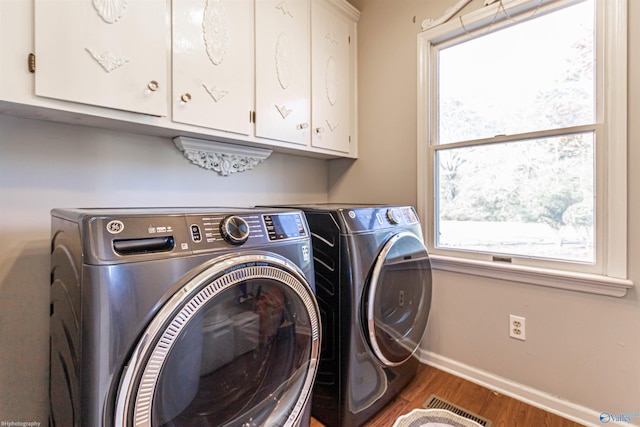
(220, 157)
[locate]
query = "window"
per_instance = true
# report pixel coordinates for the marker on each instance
(522, 143)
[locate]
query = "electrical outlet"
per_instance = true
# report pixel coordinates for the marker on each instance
(516, 327)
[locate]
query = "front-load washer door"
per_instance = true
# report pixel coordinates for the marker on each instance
(398, 299)
(236, 345)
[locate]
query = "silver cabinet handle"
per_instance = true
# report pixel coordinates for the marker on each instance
(319, 130)
(185, 97)
(153, 85)
(302, 126)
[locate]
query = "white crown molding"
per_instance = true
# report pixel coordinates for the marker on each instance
(220, 157)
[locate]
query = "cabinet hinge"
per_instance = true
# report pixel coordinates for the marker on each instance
(252, 116)
(31, 63)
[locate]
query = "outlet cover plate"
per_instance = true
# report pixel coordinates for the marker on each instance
(517, 327)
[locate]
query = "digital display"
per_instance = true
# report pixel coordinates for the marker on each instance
(284, 226)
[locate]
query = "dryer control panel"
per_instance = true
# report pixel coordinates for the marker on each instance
(365, 219)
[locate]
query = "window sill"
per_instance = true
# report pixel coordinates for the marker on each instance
(589, 283)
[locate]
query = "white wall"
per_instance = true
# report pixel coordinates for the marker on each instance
(580, 348)
(45, 165)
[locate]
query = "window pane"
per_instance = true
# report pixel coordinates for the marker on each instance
(532, 198)
(536, 75)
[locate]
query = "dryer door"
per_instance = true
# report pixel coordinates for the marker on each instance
(236, 345)
(398, 299)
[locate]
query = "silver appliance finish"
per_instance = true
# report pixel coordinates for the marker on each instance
(373, 286)
(181, 317)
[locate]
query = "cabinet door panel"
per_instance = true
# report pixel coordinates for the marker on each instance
(331, 71)
(283, 70)
(213, 63)
(110, 53)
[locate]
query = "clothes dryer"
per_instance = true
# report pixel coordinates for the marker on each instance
(373, 278)
(181, 317)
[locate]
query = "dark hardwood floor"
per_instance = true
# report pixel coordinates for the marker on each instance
(503, 411)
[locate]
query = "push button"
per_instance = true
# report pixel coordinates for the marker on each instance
(196, 236)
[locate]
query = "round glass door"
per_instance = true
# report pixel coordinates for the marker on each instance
(398, 299)
(236, 346)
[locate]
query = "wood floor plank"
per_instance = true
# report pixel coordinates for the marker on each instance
(495, 408)
(503, 411)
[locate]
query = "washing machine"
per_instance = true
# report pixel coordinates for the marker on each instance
(182, 317)
(373, 280)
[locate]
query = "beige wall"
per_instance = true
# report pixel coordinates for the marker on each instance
(45, 165)
(580, 347)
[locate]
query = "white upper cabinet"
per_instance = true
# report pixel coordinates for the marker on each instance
(283, 70)
(109, 53)
(280, 74)
(213, 64)
(333, 76)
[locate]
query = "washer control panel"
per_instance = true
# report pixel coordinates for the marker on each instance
(120, 234)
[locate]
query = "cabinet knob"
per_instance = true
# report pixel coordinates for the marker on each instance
(185, 97)
(319, 130)
(302, 126)
(153, 85)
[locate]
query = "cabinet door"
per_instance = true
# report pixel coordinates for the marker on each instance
(213, 63)
(332, 85)
(283, 70)
(111, 53)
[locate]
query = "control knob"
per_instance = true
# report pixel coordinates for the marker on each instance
(393, 216)
(234, 230)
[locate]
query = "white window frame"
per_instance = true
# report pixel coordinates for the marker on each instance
(611, 152)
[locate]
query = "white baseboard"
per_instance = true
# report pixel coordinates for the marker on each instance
(529, 395)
